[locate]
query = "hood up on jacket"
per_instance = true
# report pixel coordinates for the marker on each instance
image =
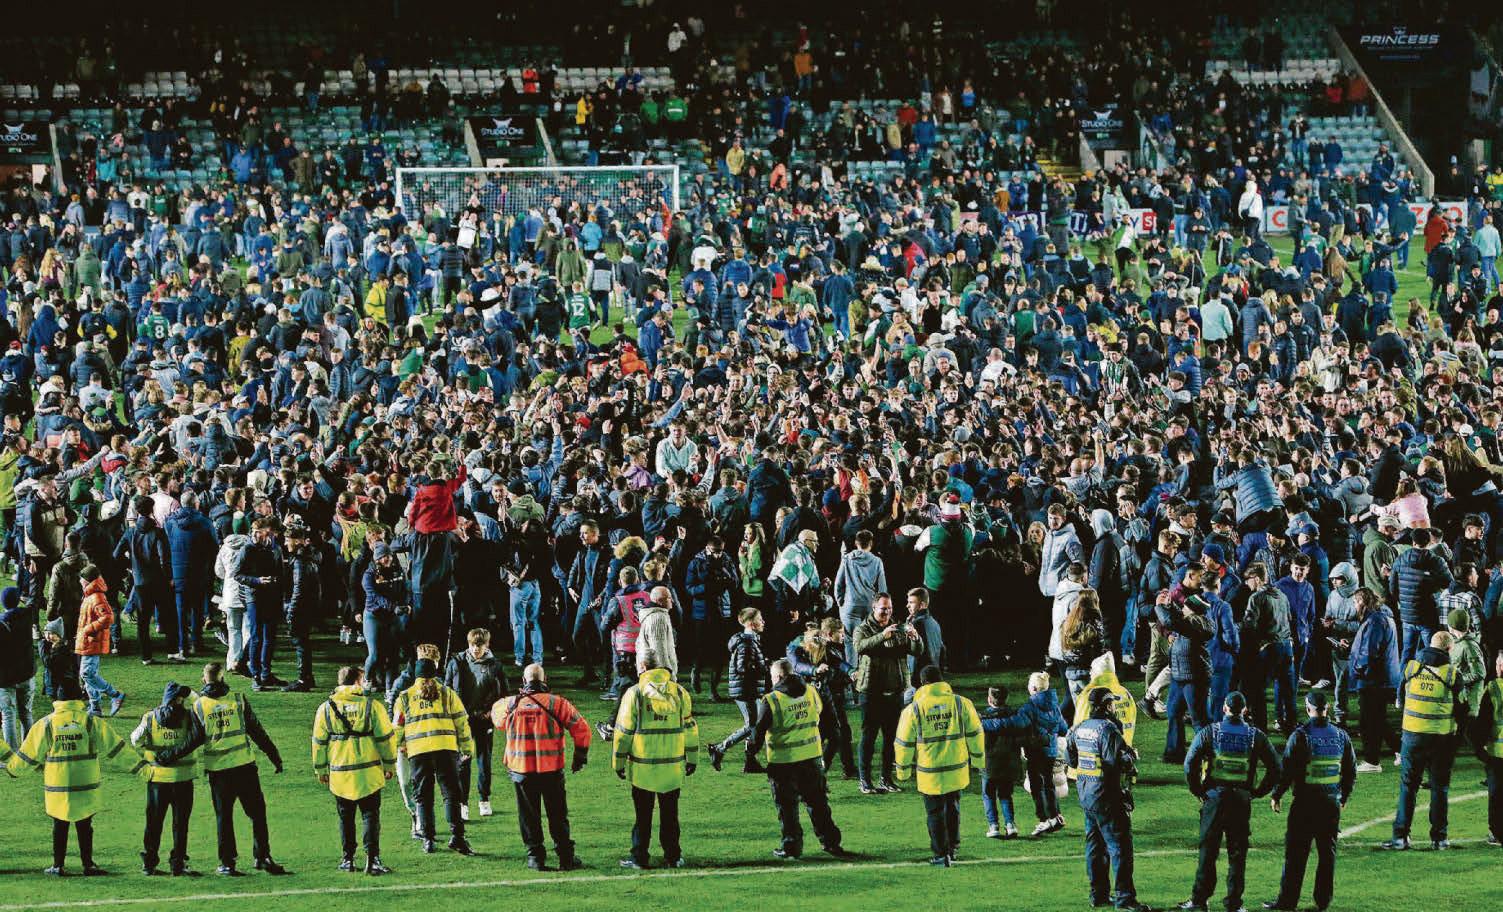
(1103, 522)
(169, 712)
(1347, 572)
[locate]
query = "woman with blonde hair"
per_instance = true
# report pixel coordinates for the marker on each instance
(819, 658)
(1082, 638)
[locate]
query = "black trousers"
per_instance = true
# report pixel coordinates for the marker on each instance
(668, 831)
(880, 715)
(154, 601)
(302, 651)
(36, 582)
(1372, 720)
(943, 813)
(242, 784)
(1494, 797)
(803, 781)
(537, 792)
(1225, 814)
(480, 764)
(160, 798)
(85, 828)
(441, 767)
(837, 737)
(370, 824)
(1312, 819)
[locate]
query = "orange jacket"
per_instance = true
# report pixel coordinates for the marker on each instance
(534, 724)
(94, 619)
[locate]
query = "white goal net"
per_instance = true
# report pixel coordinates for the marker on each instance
(622, 192)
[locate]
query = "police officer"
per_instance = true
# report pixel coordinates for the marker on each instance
(67, 746)
(1321, 768)
(534, 723)
(939, 733)
(433, 730)
(230, 727)
(1222, 770)
(354, 755)
(1429, 740)
(167, 737)
(1106, 767)
(655, 745)
(1125, 708)
(789, 724)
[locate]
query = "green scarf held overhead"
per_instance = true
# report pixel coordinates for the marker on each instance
(795, 567)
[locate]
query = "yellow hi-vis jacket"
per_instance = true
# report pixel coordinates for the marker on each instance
(226, 744)
(939, 733)
(794, 734)
(1125, 709)
(67, 747)
(656, 735)
(425, 726)
(1490, 739)
(151, 737)
(1429, 698)
(352, 743)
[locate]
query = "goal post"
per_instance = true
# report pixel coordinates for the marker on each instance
(624, 190)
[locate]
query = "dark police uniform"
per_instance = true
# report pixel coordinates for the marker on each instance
(1321, 768)
(1222, 770)
(1106, 767)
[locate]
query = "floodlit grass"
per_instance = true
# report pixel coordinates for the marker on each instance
(730, 829)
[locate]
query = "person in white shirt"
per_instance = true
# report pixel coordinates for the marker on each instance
(1250, 207)
(1215, 319)
(676, 451)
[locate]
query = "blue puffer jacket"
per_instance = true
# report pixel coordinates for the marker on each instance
(1252, 486)
(1226, 642)
(1417, 577)
(1375, 651)
(1040, 721)
(190, 538)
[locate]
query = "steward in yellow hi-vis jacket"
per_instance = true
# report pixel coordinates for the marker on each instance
(67, 746)
(789, 725)
(433, 729)
(230, 728)
(1427, 749)
(656, 743)
(939, 735)
(1124, 708)
(168, 738)
(354, 755)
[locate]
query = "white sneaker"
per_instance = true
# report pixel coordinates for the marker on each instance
(464, 812)
(1398, 759)
(1012, 831)
(1365, 767)
(994, 832)
(1322, 684)
(1044, 826)
(485, 809)
(1129, 660)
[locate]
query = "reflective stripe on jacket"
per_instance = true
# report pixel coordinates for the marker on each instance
(939, 735)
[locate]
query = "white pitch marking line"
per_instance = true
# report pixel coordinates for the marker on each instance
(794, 868)
(1356, 828)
